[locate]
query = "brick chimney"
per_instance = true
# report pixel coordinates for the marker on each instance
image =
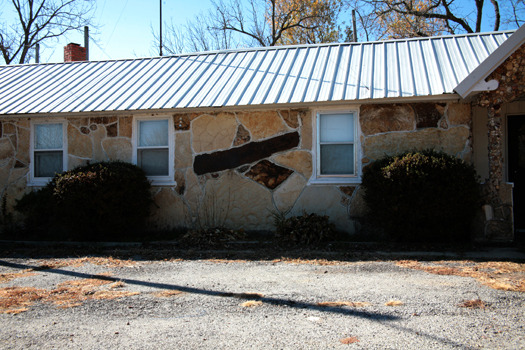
(74, 52)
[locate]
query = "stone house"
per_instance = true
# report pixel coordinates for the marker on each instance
(231, 137)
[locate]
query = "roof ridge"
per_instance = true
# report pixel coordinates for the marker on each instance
(277, 47)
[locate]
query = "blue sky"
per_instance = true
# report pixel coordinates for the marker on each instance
(125, 27)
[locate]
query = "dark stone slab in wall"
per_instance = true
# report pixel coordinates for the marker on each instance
(246, 154)
(268, 174)
(427, 115)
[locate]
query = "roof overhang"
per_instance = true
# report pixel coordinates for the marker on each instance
(476, 81)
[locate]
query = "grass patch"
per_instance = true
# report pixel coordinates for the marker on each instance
(501, 275)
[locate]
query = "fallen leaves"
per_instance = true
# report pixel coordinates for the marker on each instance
(349, 340)
(394, 303)
(500, 275)
(252, 303)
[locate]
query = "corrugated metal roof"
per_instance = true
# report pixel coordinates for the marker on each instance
(249, 77)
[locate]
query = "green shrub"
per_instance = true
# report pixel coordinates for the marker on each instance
(100, 201)
(422, 196)
(307, 229)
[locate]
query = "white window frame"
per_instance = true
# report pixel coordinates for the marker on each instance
(167, 180)
(42, 181)
(339, 179)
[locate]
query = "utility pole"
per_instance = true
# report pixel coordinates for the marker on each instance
(37, 53)
(160, 41)
(354, 31)
(86, 41)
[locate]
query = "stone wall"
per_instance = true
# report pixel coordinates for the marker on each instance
(237, 168)
(88, 139)
(510, 76)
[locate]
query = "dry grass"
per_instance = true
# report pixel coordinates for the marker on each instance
(343, 303)
(100, 261)
(349, 340)
(67, 294)
(499, 275)
(168, 293)
(394, 303)
(251, 303)
(226, 261)
(473, 304)
(14, 300)
(6, 277)
(320, 262)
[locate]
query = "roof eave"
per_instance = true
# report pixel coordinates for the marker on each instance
(476, 81)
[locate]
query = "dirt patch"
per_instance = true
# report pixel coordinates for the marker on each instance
(499, 275)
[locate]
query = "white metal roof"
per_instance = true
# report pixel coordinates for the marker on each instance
(249, 77)
(476, 80)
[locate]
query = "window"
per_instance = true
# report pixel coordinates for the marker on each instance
(336, 148)
(48, 150)
(154, 148)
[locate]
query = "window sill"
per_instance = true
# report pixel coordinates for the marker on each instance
(334, 181)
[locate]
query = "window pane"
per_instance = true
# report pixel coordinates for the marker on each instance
(153, 133)
(48, 163)
(154, 161)
(48, 136)
(337, 127)
(337, 159)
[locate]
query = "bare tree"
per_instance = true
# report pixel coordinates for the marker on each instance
(196, 35)
(239, 23)
(39, 20)
(379, 18)
(284, 21)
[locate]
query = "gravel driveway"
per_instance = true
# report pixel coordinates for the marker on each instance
(108, 303)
